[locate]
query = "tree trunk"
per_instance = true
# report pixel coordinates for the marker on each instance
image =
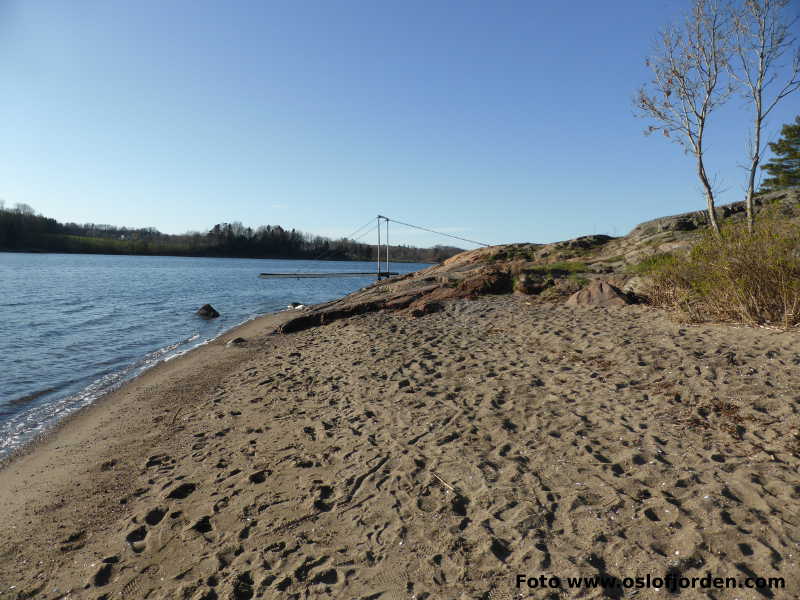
(751, 218)
(712, 214)
(755, 158)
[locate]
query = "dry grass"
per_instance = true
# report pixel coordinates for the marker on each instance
(740, 277)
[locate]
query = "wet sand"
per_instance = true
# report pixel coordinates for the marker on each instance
(385, 456)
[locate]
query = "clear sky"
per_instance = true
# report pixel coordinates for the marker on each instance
(500, 121)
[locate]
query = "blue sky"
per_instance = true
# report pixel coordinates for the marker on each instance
(499, 121)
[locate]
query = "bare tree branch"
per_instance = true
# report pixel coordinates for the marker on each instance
(689, 64)
(762, 36)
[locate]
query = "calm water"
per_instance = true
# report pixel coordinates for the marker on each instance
(76, 326)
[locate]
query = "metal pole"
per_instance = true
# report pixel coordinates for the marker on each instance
(387, 246)
(379, 248)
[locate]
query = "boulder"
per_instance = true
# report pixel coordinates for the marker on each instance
(598, 293)
(207, 312)
(238, 341)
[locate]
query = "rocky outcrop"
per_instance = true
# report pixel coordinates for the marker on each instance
(207, 312)
(786, 202)
(590, 270)
(678, 233)
(598, 293)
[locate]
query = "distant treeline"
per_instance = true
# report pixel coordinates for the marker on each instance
(22, 230)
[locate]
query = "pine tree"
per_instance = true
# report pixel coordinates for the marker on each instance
(784, 167)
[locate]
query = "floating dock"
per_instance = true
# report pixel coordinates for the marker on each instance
(381, 275)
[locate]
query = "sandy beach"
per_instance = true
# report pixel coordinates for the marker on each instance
(386, 456)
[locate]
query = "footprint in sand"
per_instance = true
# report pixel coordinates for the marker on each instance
(259, 476)
(136, 539)
(182, 491)
(203, 525)
(154, 516)
(324, 492)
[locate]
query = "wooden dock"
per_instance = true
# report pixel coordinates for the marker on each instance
(381, 275)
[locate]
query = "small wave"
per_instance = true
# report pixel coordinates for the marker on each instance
(116, 360)
(77, 308)
(185, 350)
(29, 397)
(161, 352)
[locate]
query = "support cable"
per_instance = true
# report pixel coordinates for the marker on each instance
(436, 232)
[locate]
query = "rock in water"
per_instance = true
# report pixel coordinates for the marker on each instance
(208, 312)
(598, 293)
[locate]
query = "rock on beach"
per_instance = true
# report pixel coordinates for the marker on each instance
(598, 293)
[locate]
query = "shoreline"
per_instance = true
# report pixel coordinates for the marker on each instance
(69, 452)
(42, 437)
(272, 320)
(436, 456)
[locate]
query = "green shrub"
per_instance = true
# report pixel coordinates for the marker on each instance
(652, 263)
(739, 277)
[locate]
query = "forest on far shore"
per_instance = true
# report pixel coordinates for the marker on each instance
(22, 230)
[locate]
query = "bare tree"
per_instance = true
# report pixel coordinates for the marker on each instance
(689, 66)
(762, 36)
